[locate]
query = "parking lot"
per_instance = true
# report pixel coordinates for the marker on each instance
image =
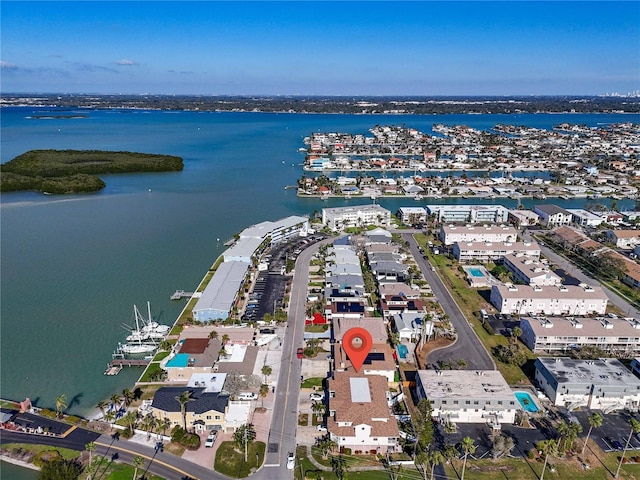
(613, 433)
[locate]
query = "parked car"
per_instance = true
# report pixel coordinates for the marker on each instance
(291, 461)
(316, 396)
(211, 439)
(248, 396)
(300, 352)
(321, 427)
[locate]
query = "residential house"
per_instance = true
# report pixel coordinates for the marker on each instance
(359, 415)
(552, 215)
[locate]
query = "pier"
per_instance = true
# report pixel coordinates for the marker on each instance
(115, 365)
(180, 294)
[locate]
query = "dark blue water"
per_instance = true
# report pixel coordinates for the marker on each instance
(74, 266)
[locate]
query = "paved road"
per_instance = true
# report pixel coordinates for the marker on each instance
(468, 346)
(284, 420)
(575, 272)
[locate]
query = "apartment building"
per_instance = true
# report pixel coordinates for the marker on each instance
(494, 251)
(552, 215)
(558, 300)
(412, 215)
(450, 234)
(604, 384)
(529, 271)
(491, 214)
(563, 334)
(467, 396)
(356, 216)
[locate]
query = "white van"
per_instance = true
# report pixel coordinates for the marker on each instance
(247, 396)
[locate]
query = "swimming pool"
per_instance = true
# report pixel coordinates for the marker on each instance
(527, 402)
(180, 360)
(403, 351)
(476, 272)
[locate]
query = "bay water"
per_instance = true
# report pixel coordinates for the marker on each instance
(72, 267)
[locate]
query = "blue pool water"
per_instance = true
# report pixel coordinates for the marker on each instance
(180, 360)
(476, 272)
(526, 401)
(403, 351)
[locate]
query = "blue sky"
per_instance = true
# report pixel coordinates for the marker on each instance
(321, 48)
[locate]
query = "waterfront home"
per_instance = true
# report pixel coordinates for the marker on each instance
(603, 384)
(552, 215)
(412, 215)
(522, 218)
(355, 216)
(359, 416)
(191, 356)
(467, 396)
(616, 336)
(204, 412)
(580, 299)
(583, 218)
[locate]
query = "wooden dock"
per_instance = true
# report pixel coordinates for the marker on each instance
(180, 294)
(115, 365)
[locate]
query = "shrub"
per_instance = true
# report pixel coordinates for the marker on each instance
(488, 328)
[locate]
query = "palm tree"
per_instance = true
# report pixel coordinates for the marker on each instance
(339, 466)
(138, 462)
(318, 408)
(109, 417)
(547, 447)
(61, 404)
(183, 399)
(515, 333)
(225, 339)
(635, 428)
(326, 445)
(166, 345)
(116, 399)
(90, 447)
(264, 391)
(435, 457)
(164, 424)
(266, 371)
(130, 420)
(213, 334)
(595, 421)
(468, 446)
(127, 396)
(102, 405)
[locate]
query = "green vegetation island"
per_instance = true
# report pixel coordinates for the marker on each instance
(74, 171)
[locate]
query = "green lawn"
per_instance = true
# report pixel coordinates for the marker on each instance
(151, 368)
(312, 382)
(519, 469)
(231, 462)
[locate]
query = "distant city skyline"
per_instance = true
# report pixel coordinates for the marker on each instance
(321, 48)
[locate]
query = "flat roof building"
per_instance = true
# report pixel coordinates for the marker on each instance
(557, 300)
(468, 396)
(604, 384)
(450, 234)
(564, 334)
(494, 251)
(468, 213)
(343, 217)
(530, 271)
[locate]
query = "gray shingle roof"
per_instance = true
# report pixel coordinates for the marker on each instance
(165, 399)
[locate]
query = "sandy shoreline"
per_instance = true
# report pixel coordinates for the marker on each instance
(20, 463)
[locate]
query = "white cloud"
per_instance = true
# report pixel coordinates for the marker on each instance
(124, 61)
(8, 65)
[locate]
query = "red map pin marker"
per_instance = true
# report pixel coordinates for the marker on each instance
(357, 343)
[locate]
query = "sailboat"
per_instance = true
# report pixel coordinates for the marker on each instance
(146, 329)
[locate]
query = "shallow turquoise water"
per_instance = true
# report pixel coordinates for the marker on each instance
(526, 401)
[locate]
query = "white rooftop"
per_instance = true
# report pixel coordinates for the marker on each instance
(360, 390)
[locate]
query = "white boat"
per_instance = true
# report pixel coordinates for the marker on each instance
(146, 329)
(137, 348)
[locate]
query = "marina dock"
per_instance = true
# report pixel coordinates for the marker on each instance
(180, 294)
(115, 365)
